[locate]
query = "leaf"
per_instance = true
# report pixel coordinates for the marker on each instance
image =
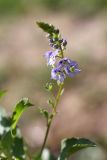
(10, 147)
(2, 93)
(49, 86)
(6, 142)
(51, 102)
(46, 27)
(19, 109)
(13, 146)
(44, 112)
(5, 121)
(70, 146)
(18, 150)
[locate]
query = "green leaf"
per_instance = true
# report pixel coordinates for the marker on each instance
(13, 146)
(51, 102)
(18, 150)
(49, 86)
(2, 93)
(19, 109)
(6, 142)
(46, 27)
(70, 146)
(44, 112)
(9, 146)
(5, 121)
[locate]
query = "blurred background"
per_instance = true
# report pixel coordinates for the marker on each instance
(82, 111)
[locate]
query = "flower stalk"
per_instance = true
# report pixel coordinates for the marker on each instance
(52, 115)
(61, 68)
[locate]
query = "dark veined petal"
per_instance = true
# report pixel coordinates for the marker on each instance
(70, 67)
(51, 57)
(71, 71)
(57, 74)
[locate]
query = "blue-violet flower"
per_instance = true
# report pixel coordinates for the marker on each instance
(68, 66)
(57, 74)
(50, 56)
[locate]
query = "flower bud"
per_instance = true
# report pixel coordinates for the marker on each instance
(64, 43)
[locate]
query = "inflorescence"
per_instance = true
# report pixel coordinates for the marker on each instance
(62, 67)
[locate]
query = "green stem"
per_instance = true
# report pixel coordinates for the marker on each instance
(45, 139)
(58, 96)
(51, 118)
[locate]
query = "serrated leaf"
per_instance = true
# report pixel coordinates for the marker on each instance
(18, 111)
(5, 121)
(46, 27)
(6, 144)
(10, 147)
(13, 147)
(18, 150)
(2, 93)
(70, 146)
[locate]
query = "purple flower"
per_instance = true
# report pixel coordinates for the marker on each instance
(57, 74)
(50, 56)
(63, 62)
(68, 66)
(71, 70)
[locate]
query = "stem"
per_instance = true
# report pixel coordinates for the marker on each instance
(45, 139)
(62, 54)
(58, 96)
(51, 118)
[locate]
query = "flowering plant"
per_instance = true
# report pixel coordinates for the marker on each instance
(12, 146)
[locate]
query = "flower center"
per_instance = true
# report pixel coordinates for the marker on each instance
(72, 69)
